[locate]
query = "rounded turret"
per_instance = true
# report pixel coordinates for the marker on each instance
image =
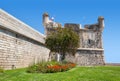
(45, 14)
(101, 22)
(45, 19)
(100, 18)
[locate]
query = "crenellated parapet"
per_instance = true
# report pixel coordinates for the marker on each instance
(99, 26)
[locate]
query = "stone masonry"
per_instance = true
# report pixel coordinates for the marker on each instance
(20, 45)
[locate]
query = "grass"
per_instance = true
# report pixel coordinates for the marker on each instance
(99, 73)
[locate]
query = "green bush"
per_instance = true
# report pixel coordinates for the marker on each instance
(37, 68)
(1, 70)
(50, 67)
(41, 67)
(32, 68)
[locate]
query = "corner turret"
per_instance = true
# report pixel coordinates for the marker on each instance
(49, 24)
(101, 23)
(45, 19)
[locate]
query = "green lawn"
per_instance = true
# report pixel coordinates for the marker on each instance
(101, 73)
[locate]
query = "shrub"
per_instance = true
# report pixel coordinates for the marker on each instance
(1, 70)
(32, 68)
(36, 68)
(41, 67)
(50, 67)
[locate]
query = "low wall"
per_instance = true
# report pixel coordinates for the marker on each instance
(20, 45)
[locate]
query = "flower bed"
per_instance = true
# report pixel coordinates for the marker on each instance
(60, 68)
(50, 67)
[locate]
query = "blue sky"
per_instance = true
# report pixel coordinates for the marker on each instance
(72, 11)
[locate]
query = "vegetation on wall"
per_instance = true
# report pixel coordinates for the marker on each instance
(62, 41)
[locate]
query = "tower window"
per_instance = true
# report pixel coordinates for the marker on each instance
(89, 41)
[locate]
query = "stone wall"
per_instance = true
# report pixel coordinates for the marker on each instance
(90, 39)
(87, 57)
(9, 22)
(20, 45)
(90, 51)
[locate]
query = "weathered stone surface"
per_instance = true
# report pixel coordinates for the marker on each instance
(19, 50)
(20, 45)
(90, 39)
(75, 27)
(87, 57)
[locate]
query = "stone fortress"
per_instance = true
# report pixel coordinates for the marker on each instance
(21, 45)
(91, 49)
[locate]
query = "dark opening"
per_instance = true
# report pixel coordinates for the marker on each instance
(89, 41)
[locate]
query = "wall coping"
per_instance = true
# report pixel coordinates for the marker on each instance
(9, 22)
(95, 49)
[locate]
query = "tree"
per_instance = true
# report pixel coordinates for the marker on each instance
(62, 41)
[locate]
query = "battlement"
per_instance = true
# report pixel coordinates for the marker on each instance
(50, 25)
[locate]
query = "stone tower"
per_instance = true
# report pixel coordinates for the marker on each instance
(46, 21)
(49, 24)
(90, 51)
